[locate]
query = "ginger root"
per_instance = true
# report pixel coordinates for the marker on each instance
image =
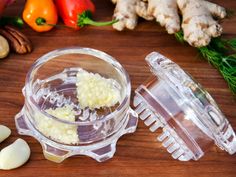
(198, 23)
(166, 13)
(125, 12)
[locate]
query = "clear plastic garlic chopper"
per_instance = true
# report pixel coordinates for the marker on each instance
(170, 100)
(187, 114)
(50, 93)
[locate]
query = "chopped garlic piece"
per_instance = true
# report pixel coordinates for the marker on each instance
(56, 130)
(95, 91)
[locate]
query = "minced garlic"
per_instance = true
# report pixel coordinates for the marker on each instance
(56, 130)
(95, 91)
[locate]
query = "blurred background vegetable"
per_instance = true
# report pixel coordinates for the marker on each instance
(4, 4)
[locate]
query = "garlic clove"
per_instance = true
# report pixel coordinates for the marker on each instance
(4, 133)
(4, 47)
(14, 155)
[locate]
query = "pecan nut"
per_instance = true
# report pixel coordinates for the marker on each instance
(17, 40)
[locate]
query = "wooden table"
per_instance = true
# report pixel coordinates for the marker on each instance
(137, 154)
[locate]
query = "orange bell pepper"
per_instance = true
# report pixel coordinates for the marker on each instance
(38, 14)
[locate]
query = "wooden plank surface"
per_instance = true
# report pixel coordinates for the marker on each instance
(138, 154)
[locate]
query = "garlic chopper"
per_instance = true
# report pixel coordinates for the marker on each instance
(170, 100)
(190, 120)
(51, 85)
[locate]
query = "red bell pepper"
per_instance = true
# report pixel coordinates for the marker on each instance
(78, 13)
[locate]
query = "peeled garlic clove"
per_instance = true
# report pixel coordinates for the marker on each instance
(4, 47)
(4, 133)
(14, 155)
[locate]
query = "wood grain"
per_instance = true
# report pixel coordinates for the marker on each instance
(138, 154)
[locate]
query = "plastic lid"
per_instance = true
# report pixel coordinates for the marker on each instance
(190, 119)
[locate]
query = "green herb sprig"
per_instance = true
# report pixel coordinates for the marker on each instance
(14, 21)
(219, 54)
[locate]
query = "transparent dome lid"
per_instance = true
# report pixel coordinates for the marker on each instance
(189, 117)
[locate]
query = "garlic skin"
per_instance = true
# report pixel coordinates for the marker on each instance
(4, 133)
(14, 155)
